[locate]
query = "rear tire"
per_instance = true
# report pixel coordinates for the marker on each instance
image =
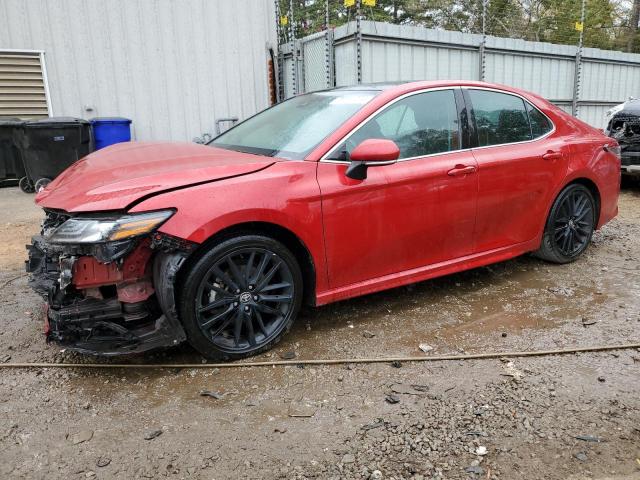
(570, 225)
(240, 297)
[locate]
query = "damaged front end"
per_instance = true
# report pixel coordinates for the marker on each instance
(624, 126)
(108, 281)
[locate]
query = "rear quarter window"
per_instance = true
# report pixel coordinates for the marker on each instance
(540, 124)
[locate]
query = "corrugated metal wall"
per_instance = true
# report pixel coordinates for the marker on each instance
(401, 52)
(542, 68)
(171, 66)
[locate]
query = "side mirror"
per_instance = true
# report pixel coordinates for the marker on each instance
(371, 153)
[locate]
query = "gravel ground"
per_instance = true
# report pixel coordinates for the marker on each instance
(562, 417)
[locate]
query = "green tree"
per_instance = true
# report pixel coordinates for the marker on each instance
(633, 40)
(558, 18)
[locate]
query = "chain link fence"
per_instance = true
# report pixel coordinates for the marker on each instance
(316, 53)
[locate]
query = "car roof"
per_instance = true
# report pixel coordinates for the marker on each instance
(368, 87)
(400, 87)
(630, 107)
(394, 89)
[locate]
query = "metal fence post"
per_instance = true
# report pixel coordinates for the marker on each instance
(300, 68)
(279, 57)
(294, 56)
(358, 43)
(575, 106)
(482, 49)
(328, 41)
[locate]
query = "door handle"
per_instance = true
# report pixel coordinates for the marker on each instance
(551, 155)
(461, 170)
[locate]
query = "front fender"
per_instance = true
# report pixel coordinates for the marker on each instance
(286, 194)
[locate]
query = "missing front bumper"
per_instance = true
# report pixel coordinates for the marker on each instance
(625, 128)
(105, 318)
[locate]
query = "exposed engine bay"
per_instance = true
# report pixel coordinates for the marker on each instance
(624, 126)
(111, 292)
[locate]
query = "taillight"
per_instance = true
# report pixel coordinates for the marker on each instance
(615, 149)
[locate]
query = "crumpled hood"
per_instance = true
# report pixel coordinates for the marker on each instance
(630, 107)
(115, 177)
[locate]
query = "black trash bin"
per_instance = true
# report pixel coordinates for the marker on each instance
(52, 144)
(11, 164)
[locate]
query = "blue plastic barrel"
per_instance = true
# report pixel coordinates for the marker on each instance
(110, 130)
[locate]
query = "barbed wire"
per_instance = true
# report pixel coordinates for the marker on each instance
(607, 22)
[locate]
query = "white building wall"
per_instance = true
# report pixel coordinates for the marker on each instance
(172, 66)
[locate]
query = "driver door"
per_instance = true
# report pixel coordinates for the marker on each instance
(416, 212)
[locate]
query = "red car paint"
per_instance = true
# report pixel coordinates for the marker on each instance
(133, 278)
(405, 222)
(375, 150)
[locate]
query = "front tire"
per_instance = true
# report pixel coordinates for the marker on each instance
(241, 297)
(570, 225)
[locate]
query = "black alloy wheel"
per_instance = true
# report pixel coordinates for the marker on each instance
(570, 225)
(242, 296)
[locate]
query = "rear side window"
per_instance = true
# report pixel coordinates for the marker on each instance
(420, 124)
(500, 118)
(540, 124)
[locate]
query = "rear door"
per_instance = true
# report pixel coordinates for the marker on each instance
(519, 166)
(416, 212)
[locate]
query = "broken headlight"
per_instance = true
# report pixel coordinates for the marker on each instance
(88, 230)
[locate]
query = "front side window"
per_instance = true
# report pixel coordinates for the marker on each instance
(293, 128)
(420, 124)
(500, 118)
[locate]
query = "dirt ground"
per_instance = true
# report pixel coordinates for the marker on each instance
(561, 417)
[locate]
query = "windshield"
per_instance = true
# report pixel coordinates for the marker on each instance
(293, 128)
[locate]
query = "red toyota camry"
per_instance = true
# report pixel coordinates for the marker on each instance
(324, 197)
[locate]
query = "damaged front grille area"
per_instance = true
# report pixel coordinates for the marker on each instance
(626, 130)
(106, 298)
(624, 127)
